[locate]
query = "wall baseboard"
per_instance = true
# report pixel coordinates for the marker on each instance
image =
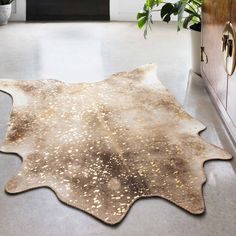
(128, 16)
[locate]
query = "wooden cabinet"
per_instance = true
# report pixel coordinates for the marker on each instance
(215, 14)
(221, 86)
(231, 106)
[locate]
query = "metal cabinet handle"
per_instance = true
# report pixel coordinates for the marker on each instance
(204, 57)
(224, 42)
(229, 48)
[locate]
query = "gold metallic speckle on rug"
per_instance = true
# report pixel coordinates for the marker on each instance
(102, 146)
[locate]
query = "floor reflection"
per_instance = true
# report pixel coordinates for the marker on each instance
(197, 102)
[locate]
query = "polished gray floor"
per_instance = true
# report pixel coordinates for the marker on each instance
(86, 52)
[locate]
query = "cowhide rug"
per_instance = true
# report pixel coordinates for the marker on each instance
(102, 146)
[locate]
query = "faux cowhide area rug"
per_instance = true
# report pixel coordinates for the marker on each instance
(102, 146)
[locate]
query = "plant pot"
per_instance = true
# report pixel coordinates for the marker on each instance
(5, 13)
(196, 51)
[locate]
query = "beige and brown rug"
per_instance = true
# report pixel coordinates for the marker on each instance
(102, 146)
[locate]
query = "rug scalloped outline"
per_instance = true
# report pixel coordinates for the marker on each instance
(106, 183)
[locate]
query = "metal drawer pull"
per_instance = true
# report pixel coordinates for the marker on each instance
(204, 57)
(229, 48)
(224, 42)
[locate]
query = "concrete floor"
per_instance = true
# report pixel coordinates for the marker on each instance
(86, 52)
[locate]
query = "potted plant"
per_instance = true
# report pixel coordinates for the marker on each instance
(188, 13)
(5, 11)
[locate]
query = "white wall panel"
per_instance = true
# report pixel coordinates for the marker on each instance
(126, 10)
(18, 10)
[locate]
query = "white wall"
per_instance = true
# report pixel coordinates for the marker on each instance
(120, 10)
(18, 10)
(126, 10)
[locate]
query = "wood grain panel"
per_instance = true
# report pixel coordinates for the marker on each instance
(67, 10)
(215, 14)
(231, 108)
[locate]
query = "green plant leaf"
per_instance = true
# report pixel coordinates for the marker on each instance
(176, 8)
(167, 18)
(191, 12)
(181, 8)
(141, 14)
(142, 21)
(187, 20)
(187, 11)
(198, 3)
(150, 3)
(167, 9)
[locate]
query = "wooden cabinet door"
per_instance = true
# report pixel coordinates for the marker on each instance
(231, 106)
(215, 14)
